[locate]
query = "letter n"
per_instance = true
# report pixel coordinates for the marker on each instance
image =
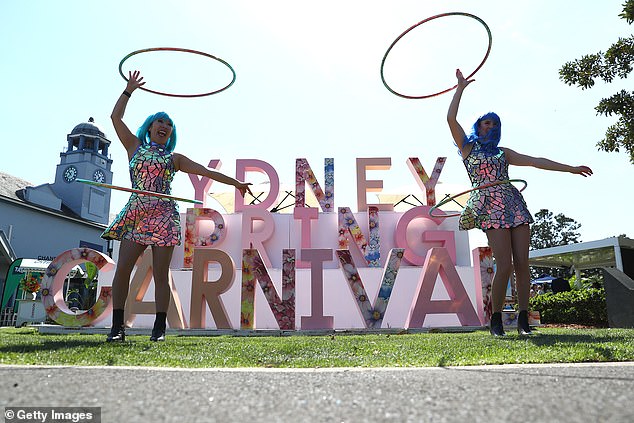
(372, 312)
(253, 270)
(305, 175)
(371, 249)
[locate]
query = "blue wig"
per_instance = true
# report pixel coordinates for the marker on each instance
(491, 139)
(143, 133)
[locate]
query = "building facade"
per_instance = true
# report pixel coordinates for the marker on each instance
(39, 222)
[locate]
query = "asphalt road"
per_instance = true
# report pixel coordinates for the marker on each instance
(531, 393)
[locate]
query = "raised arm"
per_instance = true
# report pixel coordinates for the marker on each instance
(457, 132)
(128, 139)
(517, 159)
(187, 165)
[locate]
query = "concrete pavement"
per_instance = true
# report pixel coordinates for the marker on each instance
(590, 392)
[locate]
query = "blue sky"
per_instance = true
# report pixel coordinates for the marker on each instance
(308, 85)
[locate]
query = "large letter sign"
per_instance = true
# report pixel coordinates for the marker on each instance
(307, 268)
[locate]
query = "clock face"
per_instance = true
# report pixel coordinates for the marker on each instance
(70, 174)
(99, 176)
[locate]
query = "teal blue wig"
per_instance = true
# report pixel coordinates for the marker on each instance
(143, 132)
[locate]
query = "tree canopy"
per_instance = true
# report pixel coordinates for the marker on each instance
(615, 62)
(550, 230)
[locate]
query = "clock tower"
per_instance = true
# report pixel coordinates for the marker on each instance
(86, 157)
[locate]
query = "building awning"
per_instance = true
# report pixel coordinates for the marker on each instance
(35, 265)
(583, 255)
(6, 252)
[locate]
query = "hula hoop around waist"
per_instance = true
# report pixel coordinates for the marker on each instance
(137, 191)
(453, 197)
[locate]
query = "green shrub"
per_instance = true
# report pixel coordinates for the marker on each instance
(582, 307)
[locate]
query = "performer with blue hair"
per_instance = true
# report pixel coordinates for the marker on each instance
(143, 133)
(499, 210)
(148, 220)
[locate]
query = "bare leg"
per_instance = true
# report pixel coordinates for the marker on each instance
(129, 253)
(161, 257)
(520, 240)
(500, 243)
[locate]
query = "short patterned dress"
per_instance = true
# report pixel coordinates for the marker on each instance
(145, 219)
(499, 206)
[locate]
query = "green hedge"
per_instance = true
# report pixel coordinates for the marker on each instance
(582, 307)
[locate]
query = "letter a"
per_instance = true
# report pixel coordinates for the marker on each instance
(438, 262)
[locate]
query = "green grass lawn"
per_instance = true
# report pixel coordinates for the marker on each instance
(551, 345)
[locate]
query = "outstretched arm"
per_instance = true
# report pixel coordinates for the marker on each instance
(457, 132)
(189, 166)
(128, 139)
(518, 159)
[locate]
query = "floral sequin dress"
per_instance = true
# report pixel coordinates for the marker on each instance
(499, 206)
(145, 219)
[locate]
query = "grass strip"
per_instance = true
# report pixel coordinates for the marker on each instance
(551, 345)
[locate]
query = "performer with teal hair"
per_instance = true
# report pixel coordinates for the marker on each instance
(499, 208)
(143, 133)
(148, 220)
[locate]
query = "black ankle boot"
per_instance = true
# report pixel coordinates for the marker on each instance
(497, 328)
(523, 328)
(158, 331)
(117, 332)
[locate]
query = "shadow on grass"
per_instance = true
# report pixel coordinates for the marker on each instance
(80, 345)
(59, 345)
(549, 339)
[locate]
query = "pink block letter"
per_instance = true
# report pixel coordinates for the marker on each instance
(304, 175)
(483, 271)
(53, 283)
(254, 165)
(305, 215)
(425, 182)
(253, 270)
(364, 185)
(210, 291)
(253, 219)
(317, 320)
(193, 239)
(439, 262)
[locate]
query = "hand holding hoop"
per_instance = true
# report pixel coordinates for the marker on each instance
(462, 81)
(453, 197)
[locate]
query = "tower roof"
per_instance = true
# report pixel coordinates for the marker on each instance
(87, 128)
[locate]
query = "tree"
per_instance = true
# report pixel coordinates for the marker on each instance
(616, 61)
(552, 231)
(549, 230)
